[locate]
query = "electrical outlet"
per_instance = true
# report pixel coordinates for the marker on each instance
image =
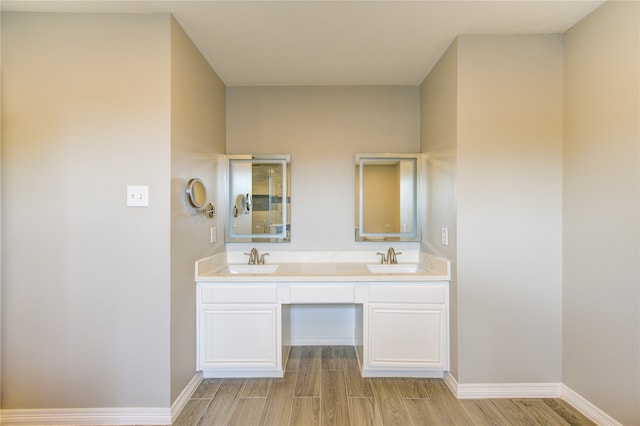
(444, 236)
(213, 234)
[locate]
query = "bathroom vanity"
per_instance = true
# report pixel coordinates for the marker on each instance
(402, 311)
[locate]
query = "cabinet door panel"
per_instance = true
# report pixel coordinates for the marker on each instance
(238, 336)
(411, 336)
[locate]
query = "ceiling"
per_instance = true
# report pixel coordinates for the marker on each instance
(275, 43)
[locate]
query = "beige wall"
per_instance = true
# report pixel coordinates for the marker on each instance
(601, 294)
(85, 280)
(323, 128)
(129, 103)
(511, 160)
(94, 103)
(509, 200)
(439, 117)
(503, 144)
(198, 133)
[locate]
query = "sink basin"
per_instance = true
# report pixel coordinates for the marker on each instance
(400, 268)
(252, 269)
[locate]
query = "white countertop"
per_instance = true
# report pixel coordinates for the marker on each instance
(323, 267)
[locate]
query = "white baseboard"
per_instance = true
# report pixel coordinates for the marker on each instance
(87, 416)
(594, 414)
(184, 396)
(529, 390)
(102, 416)
(451, 382)
(502, 390)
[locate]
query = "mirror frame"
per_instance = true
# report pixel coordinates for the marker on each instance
(412, 236)
(195, 188)
(284, 235)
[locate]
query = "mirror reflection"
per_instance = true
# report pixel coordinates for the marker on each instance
(259, 199)
(196, 193)
(387, 197)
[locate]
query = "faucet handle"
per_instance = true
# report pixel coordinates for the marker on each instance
(261, 261)
(383, 260)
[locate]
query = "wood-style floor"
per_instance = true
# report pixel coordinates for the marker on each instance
(323, 386)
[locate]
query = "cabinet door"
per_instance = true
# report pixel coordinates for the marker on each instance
(406, 336)
(238, 336)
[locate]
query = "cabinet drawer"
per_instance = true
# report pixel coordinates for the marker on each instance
(321, 293)
(398, 293)
(239, 294)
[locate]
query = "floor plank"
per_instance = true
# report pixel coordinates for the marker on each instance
(332, 358)
(411, 388)
(308, 382)
(334, 404)
(364, 412)
(219, 411)
(255, 388)
(277, 410)
(567, 412)
(512, 412)
(357, 386)
(392, 409)
(191, 412)
(423, 412)
(540, 412)
(482, 412)
(285, 356)
(207, 388)
(305, 412)
(446, 404)
(293, 360)
(247, 412)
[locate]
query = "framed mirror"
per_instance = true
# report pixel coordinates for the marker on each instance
(196, 193)
(259, 200)
(387, 197)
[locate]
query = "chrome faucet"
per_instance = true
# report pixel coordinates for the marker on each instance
(253, 256)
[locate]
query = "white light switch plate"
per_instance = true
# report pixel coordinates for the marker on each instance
(137, 196)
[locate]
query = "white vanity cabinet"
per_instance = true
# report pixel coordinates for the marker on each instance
(406, 330)
(400, 321)
(239, 330)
